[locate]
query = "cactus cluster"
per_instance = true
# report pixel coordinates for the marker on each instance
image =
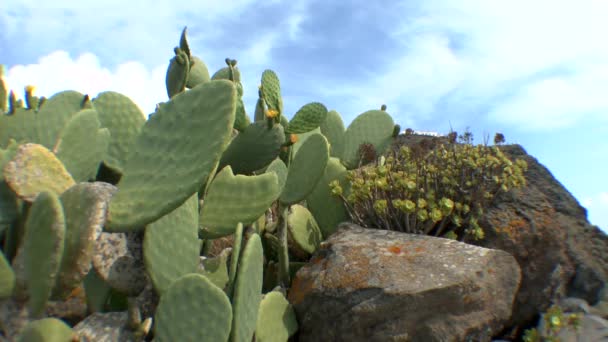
(101, 206)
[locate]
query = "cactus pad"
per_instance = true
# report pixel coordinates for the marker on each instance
(171, 245)
(271, 90)
(7, 278)
(248, 290)
(278, 167)
(198, 72)
(177, 73)
(216, 269)
(46, 330)
(309, 117)
(173, 155)
(374, 127)
(232, 199)
(124, 119)
(333, 129)
(306, 169)
(234, 259)
(328, 210)
(84, 207)
(276, 319)
(34, 169)
(193, 309)
(303, 229)
(83, 145)
(241, 121)
(43, 246)
(254, 148)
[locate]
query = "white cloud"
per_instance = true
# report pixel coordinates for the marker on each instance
(58, 71)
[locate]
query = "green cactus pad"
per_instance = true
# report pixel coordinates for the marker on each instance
(254, 148)
(124, 119)
(232, 199)
(306, 169)
(46, 330)
(34, 169)
(259, 113)
(16, 126)
(171, 245)
(302, 138)
(276, 319)
(241, 121)
(328, 210)
(271, 90)
(7, 278)
(198, 72)
(248, 290)
(183, 42)
(84, 207)
(278, 167)
(303, 229)
(216, 269)
(177, 73)
(234, 259)
(3, 91)
(333, 129)
(54, 115)
(309, 117)
(374, 127)
(173, 155)
(224, 74)
(43, 246)
(193, 309)
(96, 291)
(83, 145)
(9, 210)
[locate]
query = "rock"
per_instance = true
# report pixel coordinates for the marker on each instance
(546, 230)
(378, 285)
(105, 327)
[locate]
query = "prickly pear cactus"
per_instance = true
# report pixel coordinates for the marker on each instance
(309, 117)
(276, 319)
(43, 246)
(254, 148)
(171, 245)
(328, 210)
(7, 278)
(333, 129)
(34, 169)
(248, 290)
(193, 309)
(278, 167)
(177, 73)
(177, 149)
(235, 198)
(83, 145)
(46, 330)
(303, 229)
(124, 120)
(374, 127)
(306, 169)
(271, 91)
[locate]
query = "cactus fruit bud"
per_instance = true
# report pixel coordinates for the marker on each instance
(272, 113)
(293, 138)
(383, 108)
(396, 131)
(233, 63)
(30, 89)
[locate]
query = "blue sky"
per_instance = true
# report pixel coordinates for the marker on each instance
(536, 71)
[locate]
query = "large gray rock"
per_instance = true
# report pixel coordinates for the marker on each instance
(377, 285)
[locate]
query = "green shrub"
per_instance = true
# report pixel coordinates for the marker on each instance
(438, 190)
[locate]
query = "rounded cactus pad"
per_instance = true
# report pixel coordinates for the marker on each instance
(174, 154)
(374, 127)
(46, 330)
(271, 90)
(198, 72)
(7, 278)
(83, 145)
(328, 210)
(248, 290)
(84, 207)
(306, 169)
(34, 169)
(303, 229)
(236, 198)
(171, 245)
(43, 246)
(280, 169)
(309, 117)
(254, 148)
(193, 309)
(333, 129)
(276, 319)
(124, 119)
(177, 73)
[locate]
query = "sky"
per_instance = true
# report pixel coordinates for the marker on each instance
(535, 70)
